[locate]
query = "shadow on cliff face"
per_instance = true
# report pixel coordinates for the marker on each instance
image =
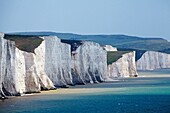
(25, 43)
(74, 43)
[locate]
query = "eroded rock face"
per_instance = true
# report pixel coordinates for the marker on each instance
(48, 66)
(151, 60)
(51, 64)
(30, 72)
(31, 77)
(27, 72)
(123, 67)
(66, 63)
(89, 63)
(20, 71)
(7, 67)
(39, 59)
(57, 61)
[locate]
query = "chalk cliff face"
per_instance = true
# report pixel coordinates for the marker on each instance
(109, 48)
(123, 67)
(57, 61)
(7, 67)
(18, 73)
(89, 63)
(66, 63)
(39, 63)
(48, 66)
(55, 64)
(30, 72)
(27, 72)
(151, 60)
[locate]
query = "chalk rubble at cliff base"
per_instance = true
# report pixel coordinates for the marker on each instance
(53, 64)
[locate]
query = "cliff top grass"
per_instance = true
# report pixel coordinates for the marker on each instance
(26, 43)
(113, 56)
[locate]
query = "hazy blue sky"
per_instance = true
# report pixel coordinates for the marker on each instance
(148, 18)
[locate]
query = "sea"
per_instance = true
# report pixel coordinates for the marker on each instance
(147, 93)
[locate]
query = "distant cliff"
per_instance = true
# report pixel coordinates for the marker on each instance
(151, 60)
(121, 64)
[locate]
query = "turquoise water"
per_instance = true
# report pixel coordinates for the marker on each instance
(145, 94)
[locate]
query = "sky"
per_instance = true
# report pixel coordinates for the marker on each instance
(145, 18)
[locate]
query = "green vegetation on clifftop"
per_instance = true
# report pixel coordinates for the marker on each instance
(113, 56)
(25, 43)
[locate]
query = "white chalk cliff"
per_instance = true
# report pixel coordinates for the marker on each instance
(124, 67)
(7, 67)
(46, 68)
(151, 60)
(110, 48)
(53, 63)
(50, 65)
(57, 61)
(26, 72)
(89, 63)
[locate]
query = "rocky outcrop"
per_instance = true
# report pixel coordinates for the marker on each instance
(151, 60)
(17, 73)
(89, 63)
(39, 60)
(47, 67)
(27, 72)
(124, 67)
(20, 71)
(30, 73)
(57, 61)
(7, 67)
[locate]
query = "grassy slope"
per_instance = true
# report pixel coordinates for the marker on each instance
(25, 43)
(113, 56)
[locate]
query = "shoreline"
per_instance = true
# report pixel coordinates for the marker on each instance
(94, 88)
